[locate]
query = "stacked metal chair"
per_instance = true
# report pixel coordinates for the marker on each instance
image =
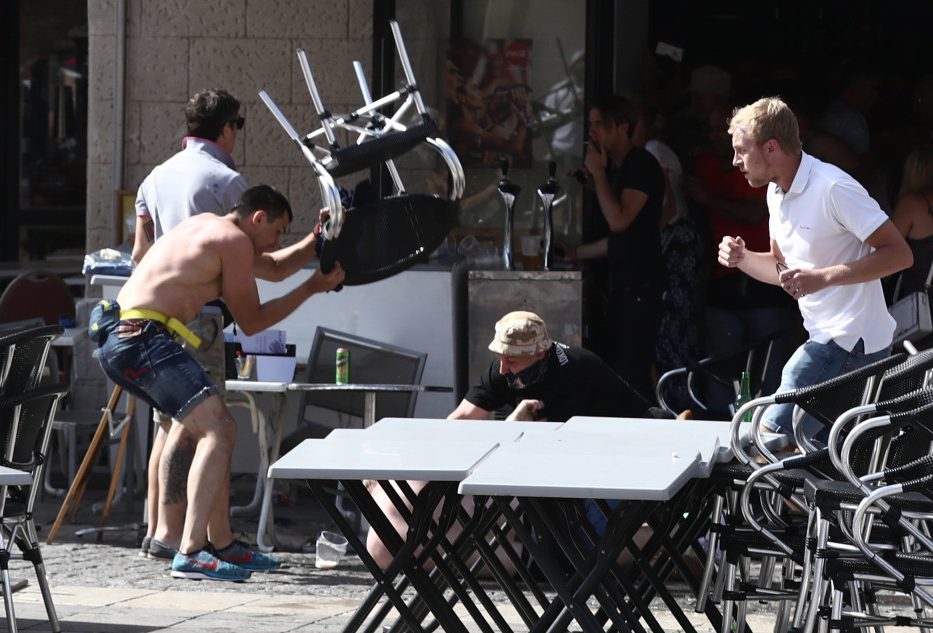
(26, 412)
(740, 541)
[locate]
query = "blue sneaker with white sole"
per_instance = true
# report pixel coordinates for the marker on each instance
(202, 565)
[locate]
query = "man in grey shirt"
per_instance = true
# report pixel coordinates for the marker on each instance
(201, 177)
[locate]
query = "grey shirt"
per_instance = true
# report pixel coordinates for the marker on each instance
(200, 178)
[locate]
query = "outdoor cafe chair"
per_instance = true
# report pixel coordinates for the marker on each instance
(696, 378)
(23, 355)
(25, 425)
(374, 238)
(904, 427)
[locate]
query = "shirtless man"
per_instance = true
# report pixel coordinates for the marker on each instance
(203, 258)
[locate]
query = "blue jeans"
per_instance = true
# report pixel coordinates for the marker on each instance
(814, 363)
(152, 366)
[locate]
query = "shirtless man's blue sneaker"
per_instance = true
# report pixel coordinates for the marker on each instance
(202, 565)
(241, 555)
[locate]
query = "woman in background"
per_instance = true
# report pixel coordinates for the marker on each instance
(913, 217)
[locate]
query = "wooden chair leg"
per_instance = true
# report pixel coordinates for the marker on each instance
(76, 490)
(118, 463)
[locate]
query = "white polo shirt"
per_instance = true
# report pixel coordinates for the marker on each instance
(824, 220)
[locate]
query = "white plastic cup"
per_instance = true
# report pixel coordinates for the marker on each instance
(331, 547)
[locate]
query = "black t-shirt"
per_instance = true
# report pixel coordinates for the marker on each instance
(577, 382)
(635, 253)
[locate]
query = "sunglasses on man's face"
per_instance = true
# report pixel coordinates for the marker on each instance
(239, 122)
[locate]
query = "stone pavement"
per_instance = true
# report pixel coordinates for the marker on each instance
(105, 587)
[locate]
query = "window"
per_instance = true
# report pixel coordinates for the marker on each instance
(505, 81)
(53, 99)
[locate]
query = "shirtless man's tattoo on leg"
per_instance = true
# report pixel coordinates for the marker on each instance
(175, 482)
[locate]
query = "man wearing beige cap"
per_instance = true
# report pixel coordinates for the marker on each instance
(536, 379)
(539, 379)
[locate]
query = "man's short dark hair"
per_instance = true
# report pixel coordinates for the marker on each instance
(209, 111)
(618, 109)
(265, 198)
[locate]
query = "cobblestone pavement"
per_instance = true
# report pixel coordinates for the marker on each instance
(106, 587)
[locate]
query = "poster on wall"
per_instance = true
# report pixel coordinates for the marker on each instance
(488, 99)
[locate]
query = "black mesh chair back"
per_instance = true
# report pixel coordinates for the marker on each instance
(22, 357)
(385, 237)
(827, 400)
(25, 425)
(907, 376)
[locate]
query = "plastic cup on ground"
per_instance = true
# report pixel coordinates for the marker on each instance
(331, 547)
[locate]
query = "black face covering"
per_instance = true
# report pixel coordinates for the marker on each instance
(529, 376)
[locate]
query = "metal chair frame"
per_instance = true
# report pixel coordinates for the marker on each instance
(369, 125)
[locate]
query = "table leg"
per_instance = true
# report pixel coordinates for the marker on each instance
(271, 453)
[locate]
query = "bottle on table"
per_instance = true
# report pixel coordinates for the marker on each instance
(745, 395)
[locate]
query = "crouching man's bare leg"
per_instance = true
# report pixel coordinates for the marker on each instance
(381, 553)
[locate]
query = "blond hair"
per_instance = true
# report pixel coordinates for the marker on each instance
(918, 172)
(765, 119)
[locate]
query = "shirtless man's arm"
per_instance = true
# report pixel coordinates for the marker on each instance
(238, 289)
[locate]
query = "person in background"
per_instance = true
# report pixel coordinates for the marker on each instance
(830, 245)
(913, 217)
(688, 131)
(629, 187)
(684, 255)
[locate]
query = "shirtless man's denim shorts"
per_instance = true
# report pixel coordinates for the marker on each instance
(142, 357)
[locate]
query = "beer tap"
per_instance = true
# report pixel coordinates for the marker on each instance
(509, 192)
(547, 192)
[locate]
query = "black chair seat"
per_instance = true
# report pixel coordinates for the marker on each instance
(382, 238)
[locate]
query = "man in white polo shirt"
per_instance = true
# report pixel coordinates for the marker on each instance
(830, 245)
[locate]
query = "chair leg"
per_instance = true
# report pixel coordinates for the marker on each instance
(7, 591)
(782, 622)
(819, 582)
(728, 571)
(711, 547)
(29, 543)
(800, 607)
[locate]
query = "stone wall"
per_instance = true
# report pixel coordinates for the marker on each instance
(177, 47)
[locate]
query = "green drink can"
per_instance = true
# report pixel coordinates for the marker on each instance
(343, 366)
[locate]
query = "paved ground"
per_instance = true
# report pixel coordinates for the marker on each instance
(106, 587)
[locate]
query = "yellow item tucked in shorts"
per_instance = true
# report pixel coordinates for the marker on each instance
(174, 325)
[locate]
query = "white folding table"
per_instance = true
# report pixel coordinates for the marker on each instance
(378, 456)
(268, 431)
